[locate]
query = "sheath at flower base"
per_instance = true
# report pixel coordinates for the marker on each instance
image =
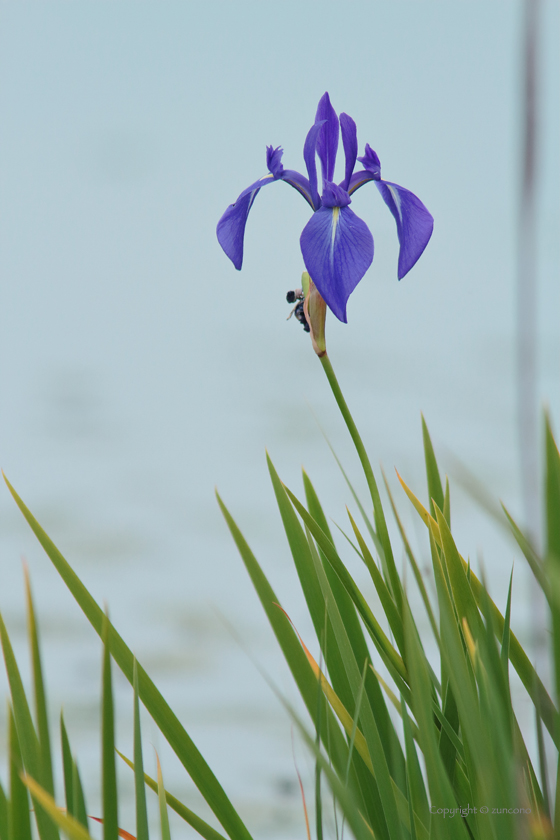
(336, 245)
(315, 311)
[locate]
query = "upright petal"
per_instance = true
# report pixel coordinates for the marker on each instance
(337, 250)
(309, 150)
(231, 227)
(327, 143)
(414, 223)
(350, 143)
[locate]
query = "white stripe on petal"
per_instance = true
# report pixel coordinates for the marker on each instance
(397, 199)
(335, 220)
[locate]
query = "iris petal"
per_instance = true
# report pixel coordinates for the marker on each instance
(414, 223)
(371, 171)
(299, 183)
(371, 161)
(358, 180)
(327, 143)
(350, 143)
(337, 249)
(274, 160)
(231, 227)
(309, 150)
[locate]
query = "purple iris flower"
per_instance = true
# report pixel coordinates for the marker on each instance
(336, 245)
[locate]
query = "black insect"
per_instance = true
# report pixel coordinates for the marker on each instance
(298, 297)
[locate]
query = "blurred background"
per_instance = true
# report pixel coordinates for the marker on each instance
(139, 370)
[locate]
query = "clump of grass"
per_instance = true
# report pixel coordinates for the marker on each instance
(420, 752)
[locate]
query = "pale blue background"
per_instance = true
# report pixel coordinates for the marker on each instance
(139, 369)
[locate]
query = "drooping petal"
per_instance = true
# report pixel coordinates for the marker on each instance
(350, 144)
(414, 223)
(231, 227)
(337, 249)
(327, 143)
(309, 150)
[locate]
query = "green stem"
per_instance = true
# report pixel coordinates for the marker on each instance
(378, 515)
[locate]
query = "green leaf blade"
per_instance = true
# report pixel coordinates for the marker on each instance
(142, 832)
(109, 773)
(435, 489)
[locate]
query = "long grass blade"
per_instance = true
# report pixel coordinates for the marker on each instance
(543, 765)
(3, 815)
(80, 809)
(19, 821)
(67, 767)
(447, 503)
(142, 832)
(435, 489)
(109, 772)
(552, 507)
(40, 694)
(506, 631)
(75, 801)
(534, 561)
(163, 816)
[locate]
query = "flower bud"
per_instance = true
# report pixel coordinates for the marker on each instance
(315, 311)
